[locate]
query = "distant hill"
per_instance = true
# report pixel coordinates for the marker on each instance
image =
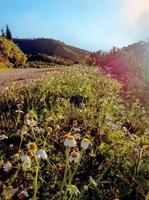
(10, 54)
(51, 47)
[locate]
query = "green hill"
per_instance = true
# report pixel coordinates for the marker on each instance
(10, 54)
(51, 47)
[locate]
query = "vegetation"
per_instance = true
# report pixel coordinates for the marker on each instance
(51, 47)
(10, 55)
(129, 65)
(7, 34)
(72, 136)
(45, 61)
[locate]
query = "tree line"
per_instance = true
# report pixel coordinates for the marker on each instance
(6, 33)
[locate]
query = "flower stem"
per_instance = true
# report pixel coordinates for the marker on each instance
(66, 169)
(36, 180)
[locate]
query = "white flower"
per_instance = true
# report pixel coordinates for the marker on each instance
(73, 190)
(31, 122)
(25, 159)
(70, 141)
(85, 143)
(74, 156)
(7, 166)
(42, 154)
(23, 194)
(26, 162)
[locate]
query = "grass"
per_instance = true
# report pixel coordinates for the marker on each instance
(72, 136)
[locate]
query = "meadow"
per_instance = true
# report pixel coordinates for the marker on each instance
(73, 135)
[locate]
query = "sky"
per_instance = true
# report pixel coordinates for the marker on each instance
(88, 24)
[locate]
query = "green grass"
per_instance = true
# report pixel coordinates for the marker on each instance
(78, 103)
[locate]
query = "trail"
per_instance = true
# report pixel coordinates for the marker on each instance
(20, 77)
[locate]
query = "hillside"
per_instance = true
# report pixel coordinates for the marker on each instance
(51, 47)
(72, 136)
(129, 65)
(10, 54)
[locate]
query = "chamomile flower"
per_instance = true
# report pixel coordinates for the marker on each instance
(42, 154)
(26, 162)
(31, 122)
(73, 190)
(32, 146)
(70, 141)
(74, 156)
(7, 166)
(85, 143)
(25, 159)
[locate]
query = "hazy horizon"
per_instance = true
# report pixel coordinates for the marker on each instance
(91, 25)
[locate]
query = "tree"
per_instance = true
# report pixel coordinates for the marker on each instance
(8, 33)
(2, 33)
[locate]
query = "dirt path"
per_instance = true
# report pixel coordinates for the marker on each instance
(22, 76)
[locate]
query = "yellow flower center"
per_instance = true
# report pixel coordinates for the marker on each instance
(86, 140)
(74, 154)
(70, 137)
(49, 129)
(32, 146)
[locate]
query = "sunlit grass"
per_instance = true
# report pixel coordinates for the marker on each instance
(72, 136)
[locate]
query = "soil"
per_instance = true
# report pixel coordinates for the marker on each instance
(19, 77)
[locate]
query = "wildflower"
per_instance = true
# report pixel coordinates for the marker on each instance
(92, 181)
(125, 129)
(26, 162)
(85, 143)
(73, 190)
(49, 130)
(23, 194)
(32, 146)
(31, 122)
(74, 156)
(70, 141)
(7, 166)
(42, 154)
